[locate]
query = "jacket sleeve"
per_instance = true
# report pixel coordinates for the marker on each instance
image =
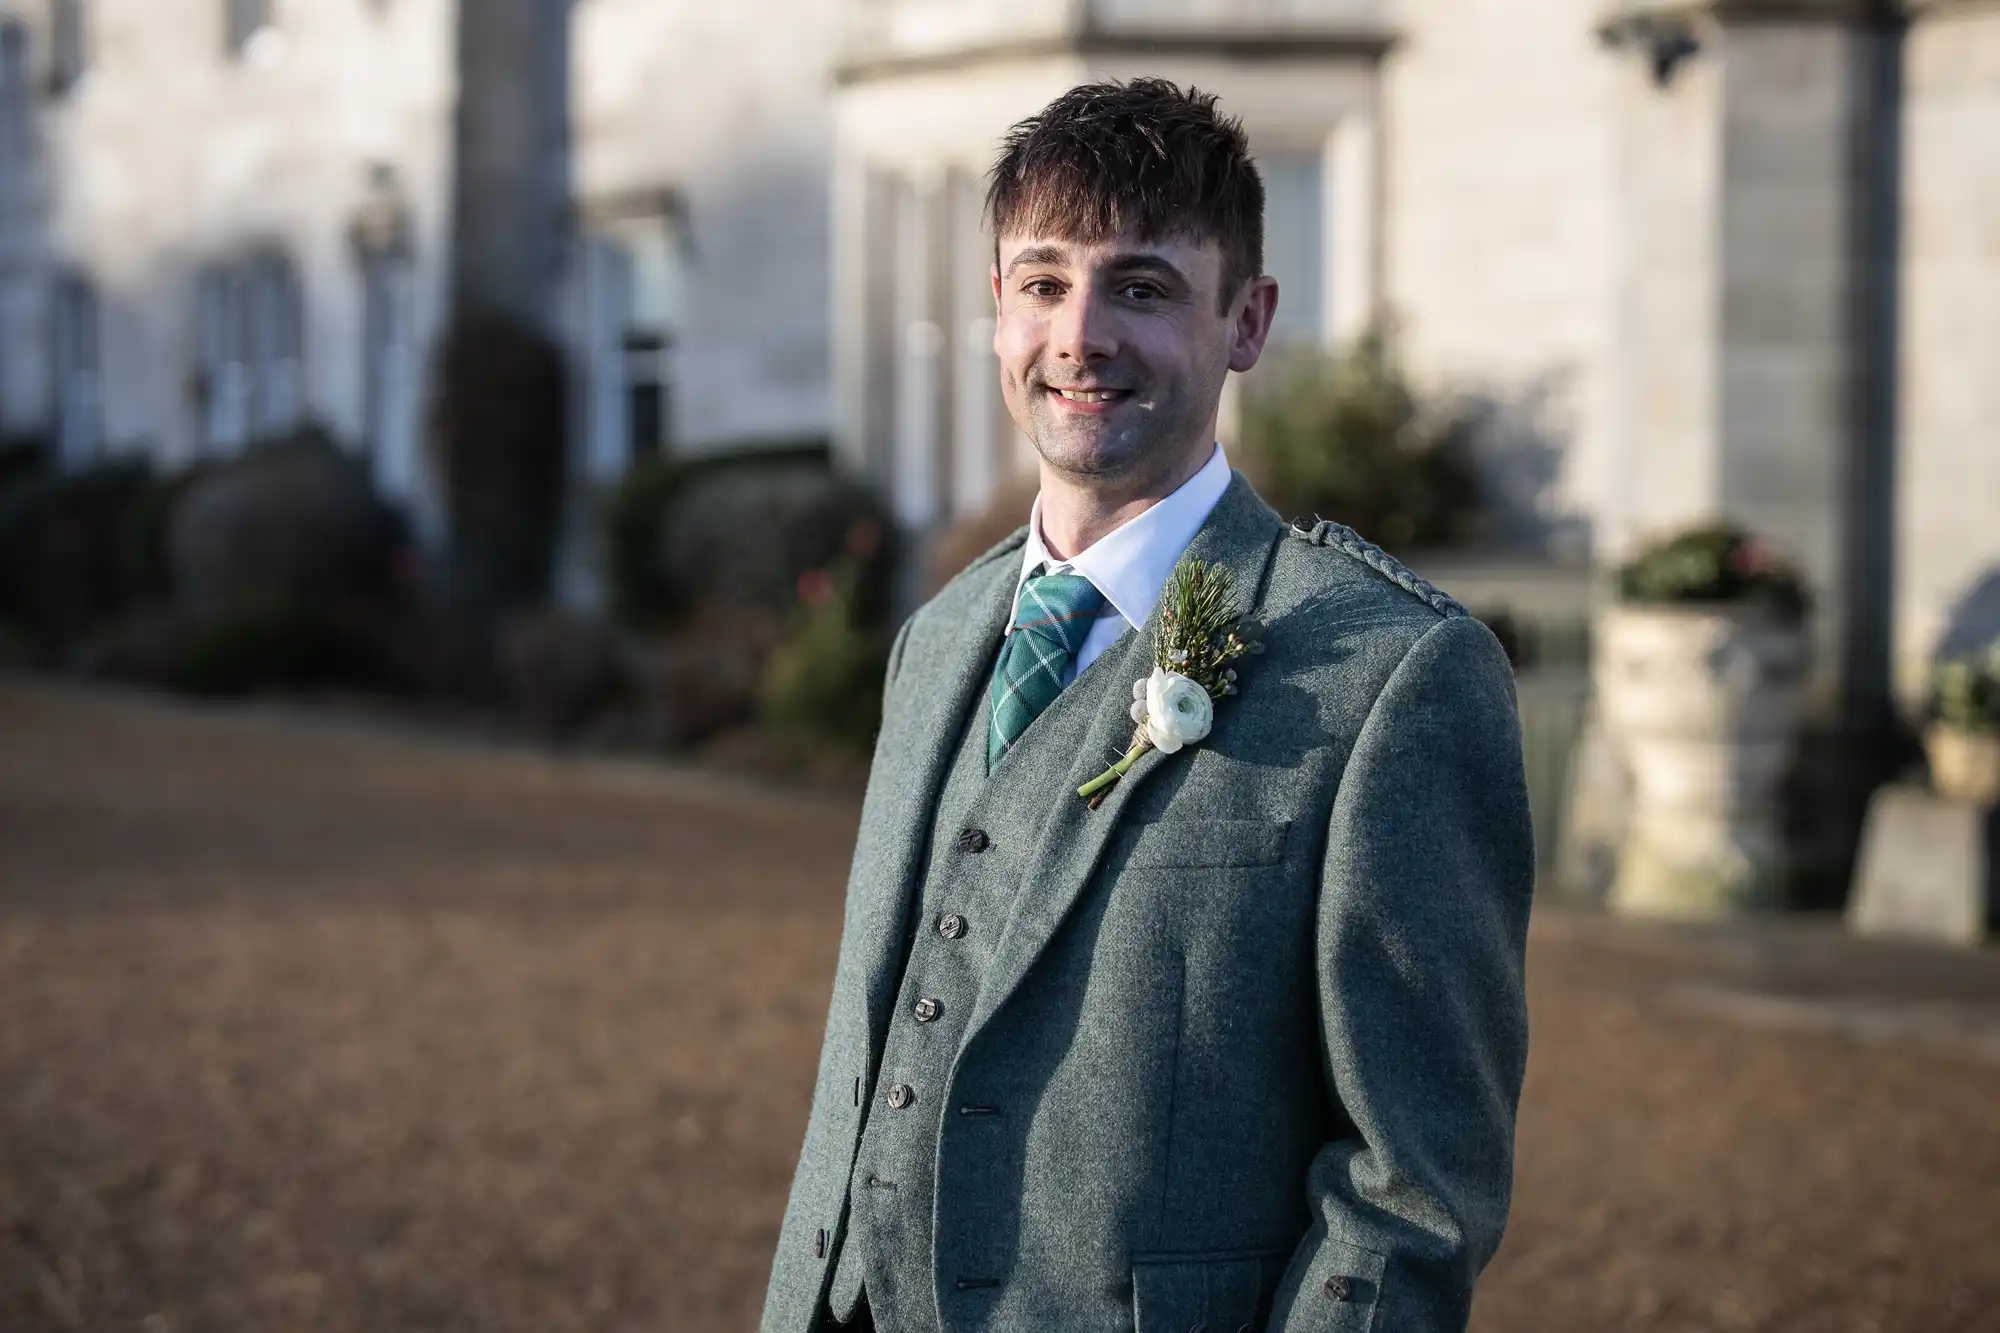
(1422, 924)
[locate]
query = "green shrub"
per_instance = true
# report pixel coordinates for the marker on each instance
(823, 682)
(1346, 437)
(73, 548)
(633, 516)
(1714, 563)
(497, 431)
(20, 458)
(275, 644)
(736, 527)
(1965, 691)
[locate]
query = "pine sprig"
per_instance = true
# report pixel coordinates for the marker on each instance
(1200, 633)
(1199, 636)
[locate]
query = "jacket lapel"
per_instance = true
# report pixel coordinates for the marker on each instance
(949, 668)
(1239, 534)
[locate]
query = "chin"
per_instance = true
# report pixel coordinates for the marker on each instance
(1091, 455)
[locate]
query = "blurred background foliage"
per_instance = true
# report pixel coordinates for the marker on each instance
(1344, 435)
(1711, 564)
(745, 586)
(277, 567)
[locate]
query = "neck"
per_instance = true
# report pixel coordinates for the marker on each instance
(1078, 511)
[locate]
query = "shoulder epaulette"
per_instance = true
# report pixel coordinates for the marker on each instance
(1353, 545)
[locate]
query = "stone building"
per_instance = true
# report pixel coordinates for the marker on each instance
(221, 220)
(1737, 256)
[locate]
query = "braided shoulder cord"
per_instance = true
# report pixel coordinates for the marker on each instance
(1350, 543)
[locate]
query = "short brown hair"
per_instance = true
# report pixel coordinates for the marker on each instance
(1107, 158)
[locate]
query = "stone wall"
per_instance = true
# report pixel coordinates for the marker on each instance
(1948, 458)
(1500, 170)
(731, 117)
(172, 154)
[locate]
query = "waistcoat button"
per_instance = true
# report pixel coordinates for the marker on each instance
(951, 925)
(927, 1009)
(1340, 1289)
(900, 1096)
(974, 840)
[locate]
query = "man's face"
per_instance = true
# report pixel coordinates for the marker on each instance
(1112, 355)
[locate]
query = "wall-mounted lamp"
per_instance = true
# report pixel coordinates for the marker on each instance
(1665, 40)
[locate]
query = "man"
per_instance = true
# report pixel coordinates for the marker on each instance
(1239, 1047)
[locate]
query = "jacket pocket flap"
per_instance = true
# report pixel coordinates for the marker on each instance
(1180, 841)
(1219, 1293)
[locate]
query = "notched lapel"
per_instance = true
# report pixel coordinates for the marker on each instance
(1239, 534)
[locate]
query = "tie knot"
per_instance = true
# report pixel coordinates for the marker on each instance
(1059, 607)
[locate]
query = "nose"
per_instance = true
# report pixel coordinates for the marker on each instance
(1084, 331)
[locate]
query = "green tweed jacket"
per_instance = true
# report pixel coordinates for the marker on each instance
(1245, 1049)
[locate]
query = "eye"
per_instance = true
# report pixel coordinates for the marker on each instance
(1044, 288)
(1140, 291)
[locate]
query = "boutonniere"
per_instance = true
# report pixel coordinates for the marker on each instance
(1199, 635)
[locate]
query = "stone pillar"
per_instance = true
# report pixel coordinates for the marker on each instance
(920, 478)
(1352, 177)
(1754, 341)
(1948, 397)
(978, 412)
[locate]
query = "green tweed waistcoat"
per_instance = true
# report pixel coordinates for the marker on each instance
(1238, 1049)
(887, 1240)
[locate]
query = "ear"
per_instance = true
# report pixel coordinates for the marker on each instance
(993, 272)
(1250, 322)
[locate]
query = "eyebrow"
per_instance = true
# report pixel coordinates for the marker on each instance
(1125, 263)
(1039, 254)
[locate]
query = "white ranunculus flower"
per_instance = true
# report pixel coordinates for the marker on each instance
(1176, 711)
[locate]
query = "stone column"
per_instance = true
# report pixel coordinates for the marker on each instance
(1948, 399)
(921, 475)
(1353, 199)
(1754, 336)
(977, 409)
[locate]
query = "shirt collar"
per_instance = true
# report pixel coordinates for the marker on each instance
(1130, 564)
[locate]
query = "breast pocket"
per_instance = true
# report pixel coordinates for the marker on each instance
(1181, 842)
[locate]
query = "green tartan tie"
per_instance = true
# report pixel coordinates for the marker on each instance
(1054, 613)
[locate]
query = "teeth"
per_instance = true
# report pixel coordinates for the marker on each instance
(1092, 396)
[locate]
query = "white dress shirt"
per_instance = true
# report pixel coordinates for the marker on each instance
(1129, 564)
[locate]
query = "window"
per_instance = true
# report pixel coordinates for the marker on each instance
(1295, 249)
(69, 48)
(637, 277)
(73, 362)
(276, 326)
(221, 383)
(249, 386)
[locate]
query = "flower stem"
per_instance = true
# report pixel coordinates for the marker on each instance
(1113, 773)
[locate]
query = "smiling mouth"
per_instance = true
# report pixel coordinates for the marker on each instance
(1090, 395)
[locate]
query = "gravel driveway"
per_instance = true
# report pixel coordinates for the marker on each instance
(304, 1027)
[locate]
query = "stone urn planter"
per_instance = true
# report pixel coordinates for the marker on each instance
(1963, 741)
(1965, 764)
(1703, 702)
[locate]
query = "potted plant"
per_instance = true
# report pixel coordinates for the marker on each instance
(1963, 740)
(1700, 673)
